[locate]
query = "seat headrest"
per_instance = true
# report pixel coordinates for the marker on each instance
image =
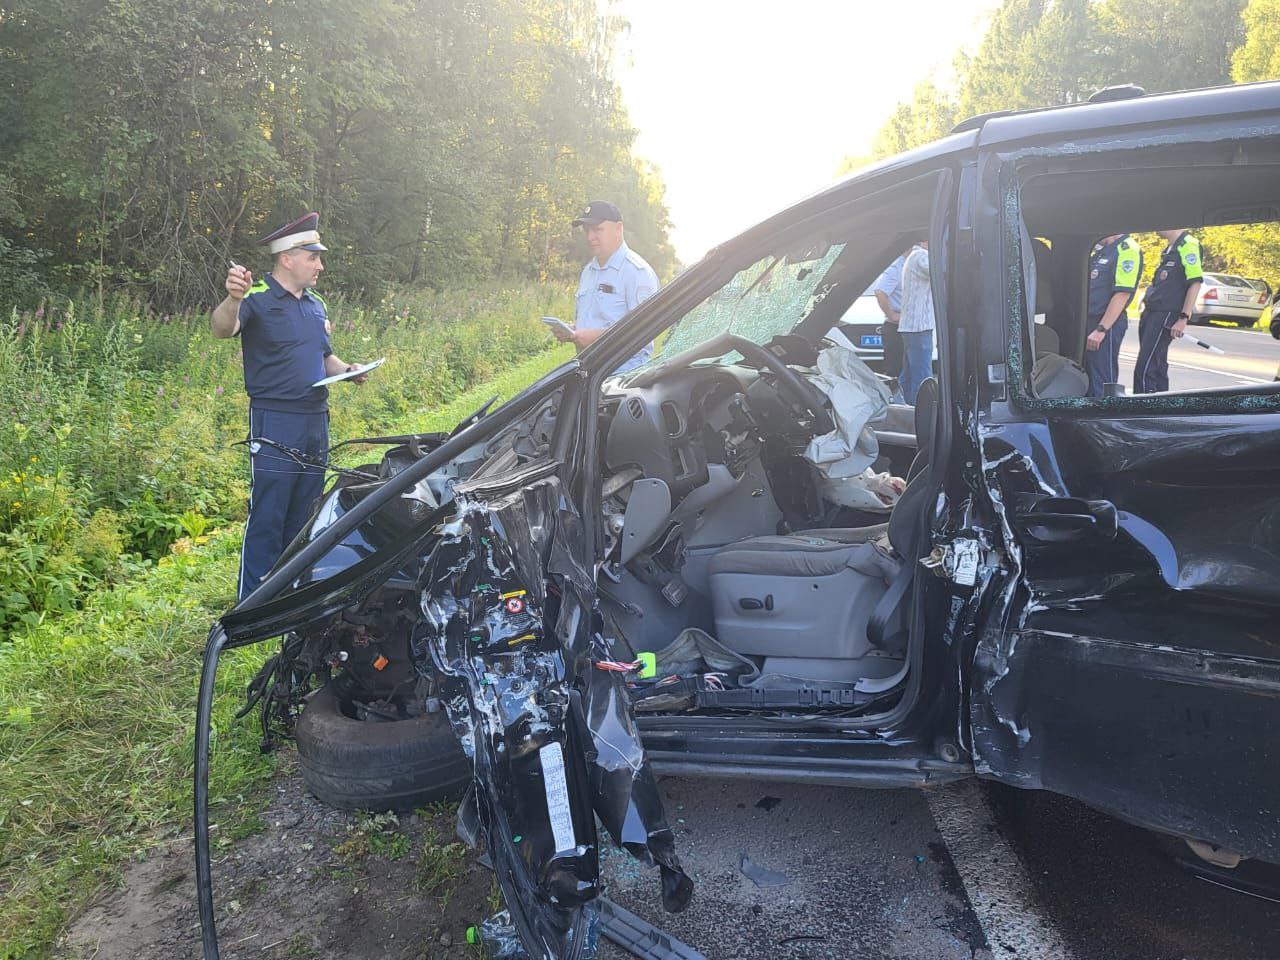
(926, 413)
(1045, 339)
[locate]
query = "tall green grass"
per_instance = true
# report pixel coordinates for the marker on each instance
(97, 707)
(117, 424)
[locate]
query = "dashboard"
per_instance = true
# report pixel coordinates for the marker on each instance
(673, 429)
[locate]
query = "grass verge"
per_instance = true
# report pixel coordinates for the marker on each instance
(97, 713)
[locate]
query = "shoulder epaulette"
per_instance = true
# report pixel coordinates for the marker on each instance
(636, 260)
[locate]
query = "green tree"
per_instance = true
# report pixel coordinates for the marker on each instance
(1259, 57)
(144, 142)
(1163, 45)
(1040, 53)
(1035, 53)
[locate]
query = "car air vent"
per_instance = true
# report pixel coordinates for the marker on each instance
(672, 422)
(635, 407)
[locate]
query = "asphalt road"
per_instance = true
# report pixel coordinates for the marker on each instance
(968, 871)
(1252, 357)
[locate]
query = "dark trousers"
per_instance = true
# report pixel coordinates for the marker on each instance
(1151, 372)
(1103, 364)
(892, 341)
(282, 489)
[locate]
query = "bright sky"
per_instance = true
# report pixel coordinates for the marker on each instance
(745, 112)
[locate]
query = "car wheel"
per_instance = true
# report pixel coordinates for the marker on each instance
(373, 765)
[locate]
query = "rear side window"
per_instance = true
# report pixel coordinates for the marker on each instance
(1111, 255)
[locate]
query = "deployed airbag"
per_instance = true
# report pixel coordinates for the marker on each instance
(842, 459)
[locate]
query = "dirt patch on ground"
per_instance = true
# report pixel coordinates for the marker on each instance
(311, 882)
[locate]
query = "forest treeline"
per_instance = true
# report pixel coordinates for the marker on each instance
(145, 142)
(1038, 53)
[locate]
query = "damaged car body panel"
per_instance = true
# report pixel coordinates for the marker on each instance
(1135, 660)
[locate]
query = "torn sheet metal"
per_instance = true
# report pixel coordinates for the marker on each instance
(508, 621)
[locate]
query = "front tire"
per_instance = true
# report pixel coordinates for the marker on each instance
(371, 765)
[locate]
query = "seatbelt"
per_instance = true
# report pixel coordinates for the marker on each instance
(888, 605)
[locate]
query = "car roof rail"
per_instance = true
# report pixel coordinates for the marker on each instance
(976, 122)
(1120, 91)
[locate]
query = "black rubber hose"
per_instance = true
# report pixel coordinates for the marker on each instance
(204, 722)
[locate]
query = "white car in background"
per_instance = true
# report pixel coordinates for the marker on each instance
(863, 323)
(1237, 300)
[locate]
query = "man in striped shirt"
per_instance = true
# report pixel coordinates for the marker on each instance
(915, 322)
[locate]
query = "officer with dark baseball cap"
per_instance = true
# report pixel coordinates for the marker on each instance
(282, 323)
(615, 281)
(598, 212)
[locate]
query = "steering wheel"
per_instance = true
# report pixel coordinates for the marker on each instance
(797, 389)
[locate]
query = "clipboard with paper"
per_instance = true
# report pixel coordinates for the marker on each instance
(348, 374)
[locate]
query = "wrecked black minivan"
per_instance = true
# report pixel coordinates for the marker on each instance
(742, 560)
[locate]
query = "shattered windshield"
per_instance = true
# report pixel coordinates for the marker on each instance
(759, 302)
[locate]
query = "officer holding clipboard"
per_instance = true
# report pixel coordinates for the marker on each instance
(283, 328)
(615, 281)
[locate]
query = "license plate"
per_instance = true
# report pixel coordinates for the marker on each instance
(1243, 297)
(871, 340)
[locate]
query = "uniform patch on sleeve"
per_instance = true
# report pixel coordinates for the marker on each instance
(1192, 258)
(1128, 265)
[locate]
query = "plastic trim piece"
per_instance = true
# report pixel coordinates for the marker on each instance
(639, 937)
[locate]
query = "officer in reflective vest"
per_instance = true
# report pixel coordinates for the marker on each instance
(284, 332)
(1114, 268)
(1166, 309)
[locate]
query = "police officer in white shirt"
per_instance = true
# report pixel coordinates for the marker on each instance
(615, 281)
